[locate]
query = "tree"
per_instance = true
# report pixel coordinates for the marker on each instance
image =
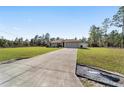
(105, 25)
(20, 42)
(52, 39)
(26, 42)
(36, 40)
(58, 38)
(32, 42)
(114, 39)
(92, 37)
(84, 40)
(16, 42)
(95, 38)
(11, 43)
(118, 21)
(43, 40)
(75, 38)
(47, 37)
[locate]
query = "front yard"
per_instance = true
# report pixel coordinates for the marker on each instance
(111, 59)
(25, 52)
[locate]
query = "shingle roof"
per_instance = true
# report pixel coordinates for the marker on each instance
(72, 40)
(66, 40)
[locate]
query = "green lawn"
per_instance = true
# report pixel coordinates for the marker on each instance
(25, 52)
(106, 58)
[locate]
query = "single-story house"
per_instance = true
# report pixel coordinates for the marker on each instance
(68, 43)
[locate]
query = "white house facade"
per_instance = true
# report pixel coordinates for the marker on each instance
(68, 43)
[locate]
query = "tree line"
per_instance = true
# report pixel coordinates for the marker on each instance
(100, 37)
(42, 40)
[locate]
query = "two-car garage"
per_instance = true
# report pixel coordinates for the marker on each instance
(71, 45)
(68, 43)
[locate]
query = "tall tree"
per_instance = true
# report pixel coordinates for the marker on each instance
(118, 20)
(32, 42)
(36, 40)
(95, 38)
(20, 42)
(105, 25)
(47, 38)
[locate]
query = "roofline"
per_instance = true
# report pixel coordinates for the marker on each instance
(66, 41)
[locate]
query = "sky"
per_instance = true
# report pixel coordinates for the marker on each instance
(60, 21)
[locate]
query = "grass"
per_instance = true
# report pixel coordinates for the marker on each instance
(106, 58)
(25, 52)
(87, 83)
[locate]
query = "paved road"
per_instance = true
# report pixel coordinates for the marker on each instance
(54, 69)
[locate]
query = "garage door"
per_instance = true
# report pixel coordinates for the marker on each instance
(71, 45)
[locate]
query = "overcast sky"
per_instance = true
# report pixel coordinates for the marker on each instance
(65, 22)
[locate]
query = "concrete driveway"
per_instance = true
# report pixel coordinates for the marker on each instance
(54, 69)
